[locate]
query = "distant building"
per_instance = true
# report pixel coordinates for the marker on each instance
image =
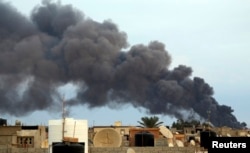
(23, 136)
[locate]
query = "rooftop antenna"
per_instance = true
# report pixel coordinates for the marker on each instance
(208, 116)
(66, 140)
(63, 117)
(208, 121)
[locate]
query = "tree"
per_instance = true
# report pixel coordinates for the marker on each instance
(150, 122)
(243, 124)
(180, 124)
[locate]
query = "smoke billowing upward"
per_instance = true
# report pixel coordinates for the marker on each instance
(58, 45)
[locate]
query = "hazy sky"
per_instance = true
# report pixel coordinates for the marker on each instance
(211, 36)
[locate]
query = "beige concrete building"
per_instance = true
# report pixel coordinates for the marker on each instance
(8, 135)
(230, 132)
(23, 136)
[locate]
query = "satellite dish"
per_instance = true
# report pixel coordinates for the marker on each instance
(170, 144)
(130, 150)
(198, 139)
(165, 132)
(179, 143)
(192, 142)
(228, 135)
(107, 138)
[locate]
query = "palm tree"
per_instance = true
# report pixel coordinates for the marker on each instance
(150, 122)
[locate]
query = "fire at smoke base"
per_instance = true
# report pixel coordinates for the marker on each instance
(58, 45)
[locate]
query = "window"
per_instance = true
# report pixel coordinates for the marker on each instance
(25, 142)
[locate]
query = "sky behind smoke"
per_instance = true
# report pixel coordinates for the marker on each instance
(210, 37)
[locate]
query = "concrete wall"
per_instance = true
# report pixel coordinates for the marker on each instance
(9, 130)
(110, 150)
(8, 134)
(143, 150)
(23, 150)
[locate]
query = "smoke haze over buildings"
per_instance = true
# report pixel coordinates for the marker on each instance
(59, 45)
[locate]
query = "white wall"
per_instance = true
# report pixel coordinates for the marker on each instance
(73, 128)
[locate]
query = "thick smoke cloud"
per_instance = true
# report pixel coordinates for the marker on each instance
(57, 45)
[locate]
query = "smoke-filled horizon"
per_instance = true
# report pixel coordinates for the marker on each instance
(58, 45)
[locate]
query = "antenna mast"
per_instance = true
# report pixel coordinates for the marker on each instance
(63, 117)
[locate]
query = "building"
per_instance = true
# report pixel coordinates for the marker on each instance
(68, 128)
(23, 136)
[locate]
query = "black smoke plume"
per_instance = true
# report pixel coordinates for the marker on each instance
(58, 45)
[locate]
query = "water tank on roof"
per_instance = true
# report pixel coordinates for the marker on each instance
(68, 148)
(3, 122)
(144, 139)
(204, 137)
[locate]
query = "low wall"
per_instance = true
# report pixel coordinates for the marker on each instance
(23, 150)
(111, 150)
(143, 150)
